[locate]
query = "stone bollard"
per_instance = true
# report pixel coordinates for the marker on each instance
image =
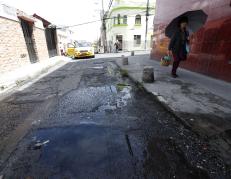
(125, 60)
(148, 74)
(132, 53)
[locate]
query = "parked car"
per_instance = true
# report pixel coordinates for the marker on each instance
(80, 50)
(70, 50)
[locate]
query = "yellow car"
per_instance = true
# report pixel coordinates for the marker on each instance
(80, 50)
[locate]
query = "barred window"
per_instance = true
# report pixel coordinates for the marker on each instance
(138, 20)
(114, 20)
(137, 39)
(125, 19)
(118, 18)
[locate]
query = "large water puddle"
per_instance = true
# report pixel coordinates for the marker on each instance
(94, 151)
(82, 151)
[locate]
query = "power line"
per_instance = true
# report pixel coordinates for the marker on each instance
(85, 23)
(89, 22)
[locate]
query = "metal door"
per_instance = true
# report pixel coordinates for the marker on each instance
(51, 41)
(27, 32)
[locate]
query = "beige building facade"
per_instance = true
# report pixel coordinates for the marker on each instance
(22, 39)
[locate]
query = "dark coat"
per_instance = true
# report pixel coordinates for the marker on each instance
(175, 44)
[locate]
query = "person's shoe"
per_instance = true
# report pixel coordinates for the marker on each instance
(174, 75)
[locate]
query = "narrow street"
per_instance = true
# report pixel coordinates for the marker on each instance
(86, 120)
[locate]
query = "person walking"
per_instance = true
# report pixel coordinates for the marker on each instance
(117, 43)
(178, 46)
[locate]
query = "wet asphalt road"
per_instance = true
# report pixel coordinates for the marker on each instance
(85, 121)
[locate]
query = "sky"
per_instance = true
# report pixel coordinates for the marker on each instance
(69, 12)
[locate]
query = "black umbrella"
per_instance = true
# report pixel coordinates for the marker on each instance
(196, 19)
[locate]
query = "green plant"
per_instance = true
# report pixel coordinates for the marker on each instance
(124, 73)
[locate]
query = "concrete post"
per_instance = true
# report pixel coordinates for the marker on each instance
(124, 60)
(148, 74)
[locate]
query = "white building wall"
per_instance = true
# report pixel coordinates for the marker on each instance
(64, 36)
(131, 29)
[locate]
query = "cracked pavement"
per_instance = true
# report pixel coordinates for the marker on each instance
(97, 124)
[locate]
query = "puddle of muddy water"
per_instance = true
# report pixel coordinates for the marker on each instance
(89, 150)
(77, 152)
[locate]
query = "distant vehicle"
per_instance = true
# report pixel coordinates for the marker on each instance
(80, 50)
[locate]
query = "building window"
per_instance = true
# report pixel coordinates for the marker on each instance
(138, 20)
(137, 39)
(118, 18)
(114, 20)
(125, 19)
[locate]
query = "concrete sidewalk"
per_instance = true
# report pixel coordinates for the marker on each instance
(202, 103)
(27, 73)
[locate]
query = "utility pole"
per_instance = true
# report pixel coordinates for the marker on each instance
(146, 30)
(104, 33)
(102, 6)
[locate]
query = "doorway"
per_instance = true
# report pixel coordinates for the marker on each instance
(120, 39)
(27, 29)
(51, 41)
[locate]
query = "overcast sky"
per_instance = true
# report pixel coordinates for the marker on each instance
(68, 12)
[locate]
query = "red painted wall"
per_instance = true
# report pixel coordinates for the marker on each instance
(210, 46)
